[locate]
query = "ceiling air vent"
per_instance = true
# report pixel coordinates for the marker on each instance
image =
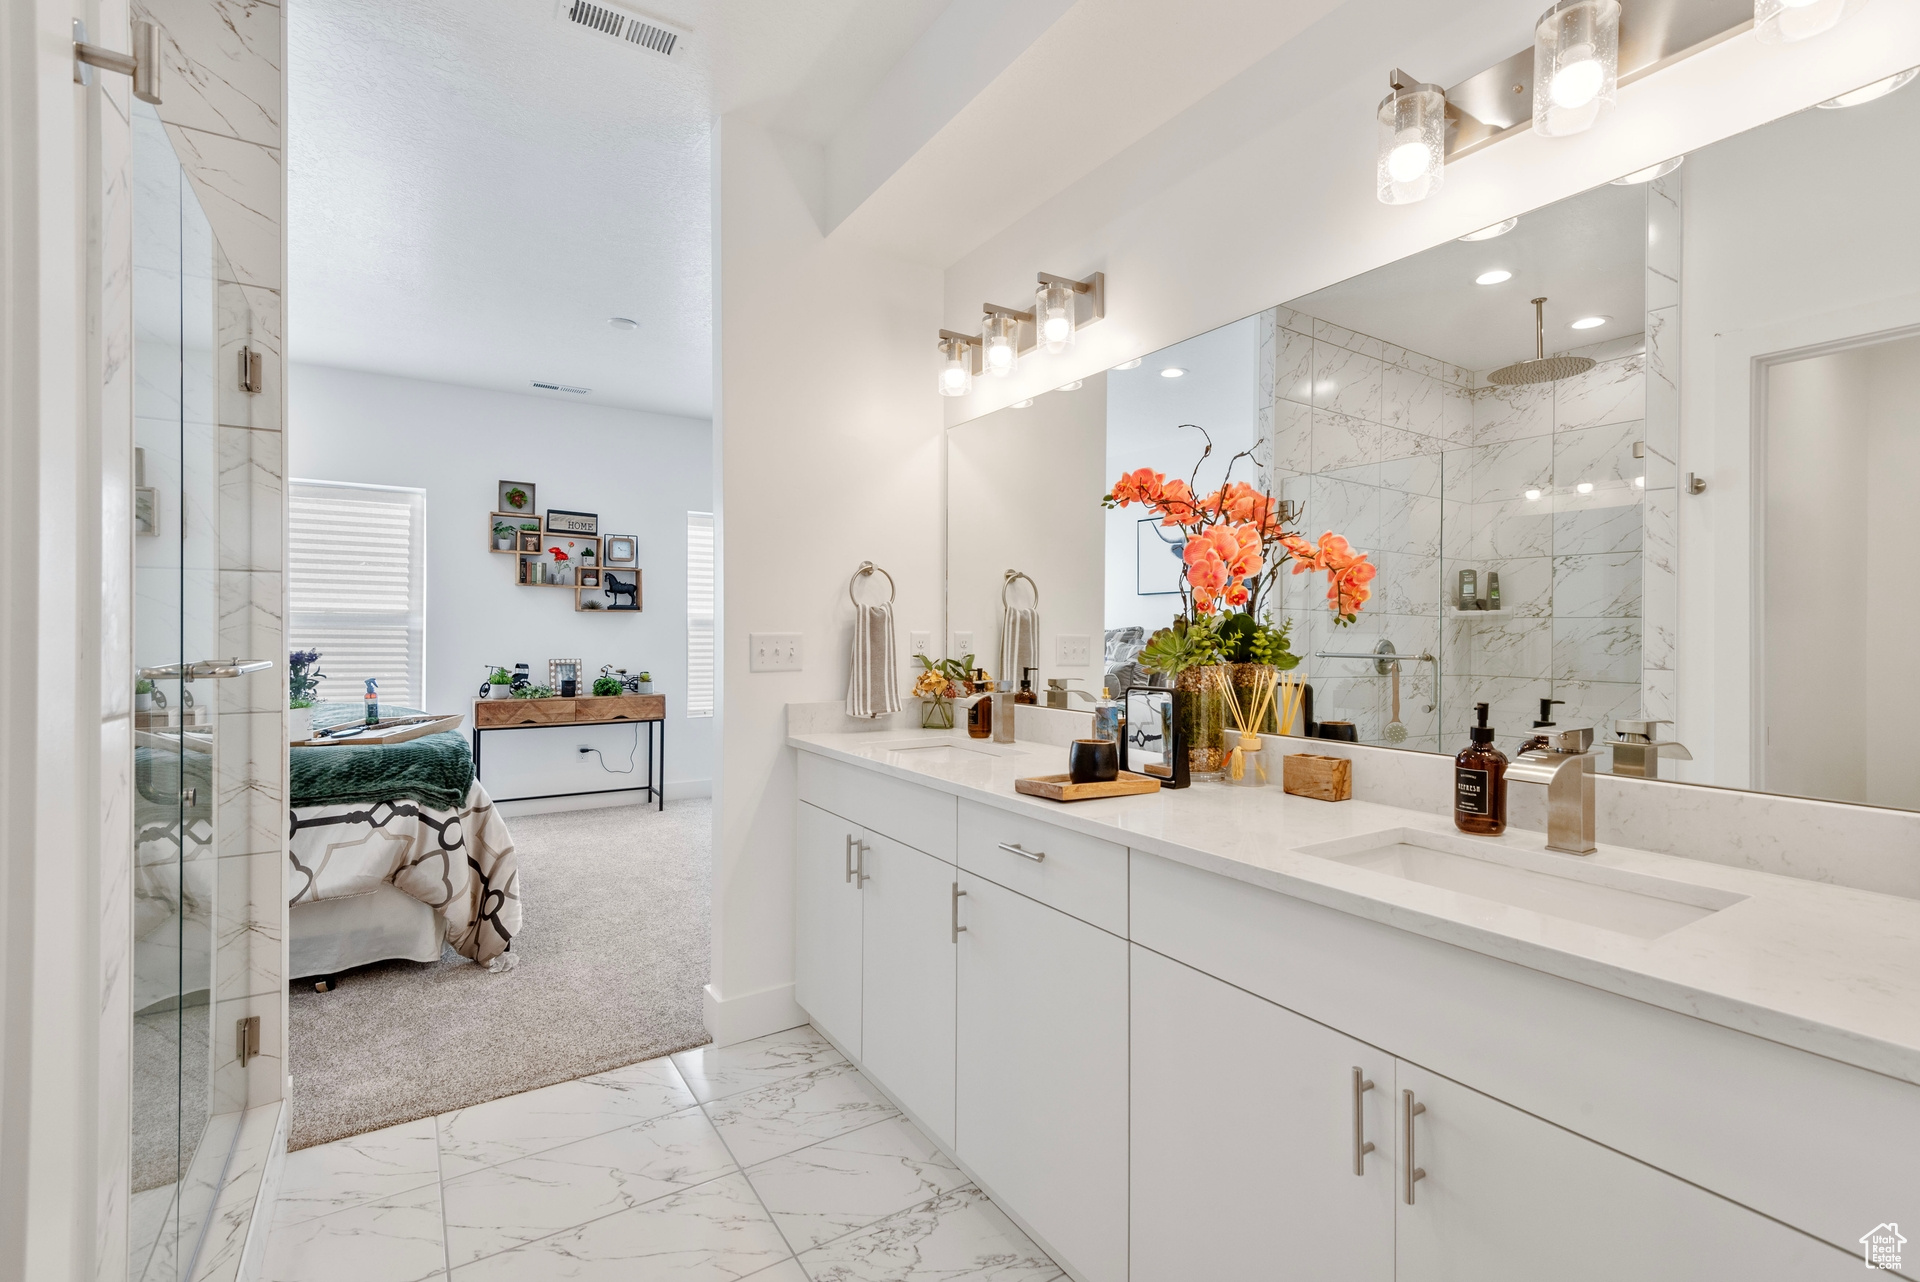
(560, 387)
(649, 34)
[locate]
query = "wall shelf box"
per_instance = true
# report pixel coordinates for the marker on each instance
(534, 562)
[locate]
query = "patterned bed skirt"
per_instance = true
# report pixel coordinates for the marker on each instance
(459, 862)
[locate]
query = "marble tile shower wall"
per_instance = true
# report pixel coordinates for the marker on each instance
(1660, 600)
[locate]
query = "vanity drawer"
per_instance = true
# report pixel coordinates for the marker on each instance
(911, 815)
(1077, 874)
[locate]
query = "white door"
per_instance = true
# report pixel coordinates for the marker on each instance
(1041, 1080)
(1507, 1196)
(1247, 1126)
(906, 1026)
(826, 925)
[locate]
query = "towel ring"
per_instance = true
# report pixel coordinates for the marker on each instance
(866, 569)
(1007, 586)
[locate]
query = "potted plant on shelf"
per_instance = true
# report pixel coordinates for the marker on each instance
(1236, 541)
(143, 695)
(941, 681)
(303, 691)
(646, 683)
(499, 684)
(504, 536)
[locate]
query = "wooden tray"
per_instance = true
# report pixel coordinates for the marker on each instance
(385, 734)
(1062, 787)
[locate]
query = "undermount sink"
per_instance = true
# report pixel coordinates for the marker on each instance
(1615, 899)
(929, 751)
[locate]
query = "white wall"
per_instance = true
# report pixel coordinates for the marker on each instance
(828, 451)
(640, 472)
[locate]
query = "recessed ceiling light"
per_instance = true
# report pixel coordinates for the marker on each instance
(1585, 487)
(1493, 277)
(1172, 371)
(623, 322)
(1589, 322)
(1650, 173)
(1022, 405)
(1132, 364)
(1878, 89)
(1533, 496)
(1488, 233)
(1074, 386)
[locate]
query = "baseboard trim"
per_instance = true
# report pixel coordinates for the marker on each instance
(750, 1015)
(253, 1254)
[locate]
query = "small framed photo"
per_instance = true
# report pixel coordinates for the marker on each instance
(621, 550)
(559, 522)
(589, 578)
(517, 497)
(530, 541)
(559, 670)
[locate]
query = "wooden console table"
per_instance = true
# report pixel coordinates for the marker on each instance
(649, 710)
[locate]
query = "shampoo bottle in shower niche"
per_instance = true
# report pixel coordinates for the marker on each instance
(1480, 783)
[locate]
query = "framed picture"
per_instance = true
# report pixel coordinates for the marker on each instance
(530, 541)
(589, 578)
(621, 550)
(1162, 560)
(517, 497)
(559, 670)
(559, 522)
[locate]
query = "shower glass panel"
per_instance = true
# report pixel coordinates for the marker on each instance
(178, 1148)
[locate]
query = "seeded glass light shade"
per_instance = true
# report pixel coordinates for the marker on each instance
(1783, 21)
(1576, 65)
(1412, 161)
(956, 371)
(1000, 339)
(1053, 316)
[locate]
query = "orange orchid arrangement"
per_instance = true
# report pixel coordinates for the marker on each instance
(1236, 541)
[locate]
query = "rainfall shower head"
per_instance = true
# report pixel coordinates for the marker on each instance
(1542, 368)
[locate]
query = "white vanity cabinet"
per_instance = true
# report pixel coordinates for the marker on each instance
(827, 923)
(907, 942)
(1040, 1114)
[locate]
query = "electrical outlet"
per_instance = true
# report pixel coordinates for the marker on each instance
(773, 652)
(962, 644)
(1072, 652)
(920, 642)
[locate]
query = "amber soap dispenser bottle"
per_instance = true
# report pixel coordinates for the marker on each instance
(1480, 783)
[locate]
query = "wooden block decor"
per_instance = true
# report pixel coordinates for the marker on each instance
(1308, 774)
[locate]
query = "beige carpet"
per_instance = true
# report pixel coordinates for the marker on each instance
(613, 953)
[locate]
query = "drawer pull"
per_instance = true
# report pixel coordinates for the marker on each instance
(1408, 1111)
(860, 868)
(957, 927)
(1361, 1144)
(849, 857)
(1013, 847)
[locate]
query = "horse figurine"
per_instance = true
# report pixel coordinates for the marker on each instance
(616, 589)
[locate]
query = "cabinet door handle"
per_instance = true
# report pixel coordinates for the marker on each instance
(849, 857)
(860, 866)
(1013, 847)
(1408, 1111)
(957, 927)
(1361, 1144)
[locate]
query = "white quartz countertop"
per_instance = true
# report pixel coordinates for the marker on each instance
(1825, 968)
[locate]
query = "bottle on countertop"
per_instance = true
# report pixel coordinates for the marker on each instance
(373, 702)
(1480, 783)
(980, 711)
(1026, 694)
(1003, 703)
(1106, 717)
(1546, 719)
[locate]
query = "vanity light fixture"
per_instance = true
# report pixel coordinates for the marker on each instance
(1589, 322)
(1172, 371)
(1495, 277)
(1135, 363)
(1585, 487)
(1778, 22)
(962, 358)
(1576, 65)
(1062, 306)
(1488, 233)
(1869, 93)
(1074, 386)
(1412, 161)
(1650, 173)
(1000, 339)
(1533, 496)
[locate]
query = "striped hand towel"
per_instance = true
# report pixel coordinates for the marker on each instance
(1019, 637)
(873, 689)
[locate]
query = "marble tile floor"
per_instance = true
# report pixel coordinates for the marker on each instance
(773, 1160)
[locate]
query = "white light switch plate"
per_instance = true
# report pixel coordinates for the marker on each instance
(962, 645)
(773, 652)
(920, 642)
(1072, 652)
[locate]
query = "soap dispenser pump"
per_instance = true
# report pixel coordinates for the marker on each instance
(1545, 721)
(1480, 783)
(1026, 694)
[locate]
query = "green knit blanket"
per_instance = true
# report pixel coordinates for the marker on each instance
(435, 770)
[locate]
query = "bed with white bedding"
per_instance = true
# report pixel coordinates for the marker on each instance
(393, 849)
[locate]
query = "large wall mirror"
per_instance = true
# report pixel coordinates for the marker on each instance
(1674, 419)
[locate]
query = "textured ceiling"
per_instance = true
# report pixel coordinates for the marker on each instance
(475, 188)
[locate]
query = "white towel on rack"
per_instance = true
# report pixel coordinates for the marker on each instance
(1019, 633)
(873, 689)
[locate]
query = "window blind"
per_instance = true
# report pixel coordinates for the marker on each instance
(356, 586)
(699, 614)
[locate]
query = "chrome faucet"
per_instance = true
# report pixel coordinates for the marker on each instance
(1637, 749)
(1059, 696)
(1565, 765)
